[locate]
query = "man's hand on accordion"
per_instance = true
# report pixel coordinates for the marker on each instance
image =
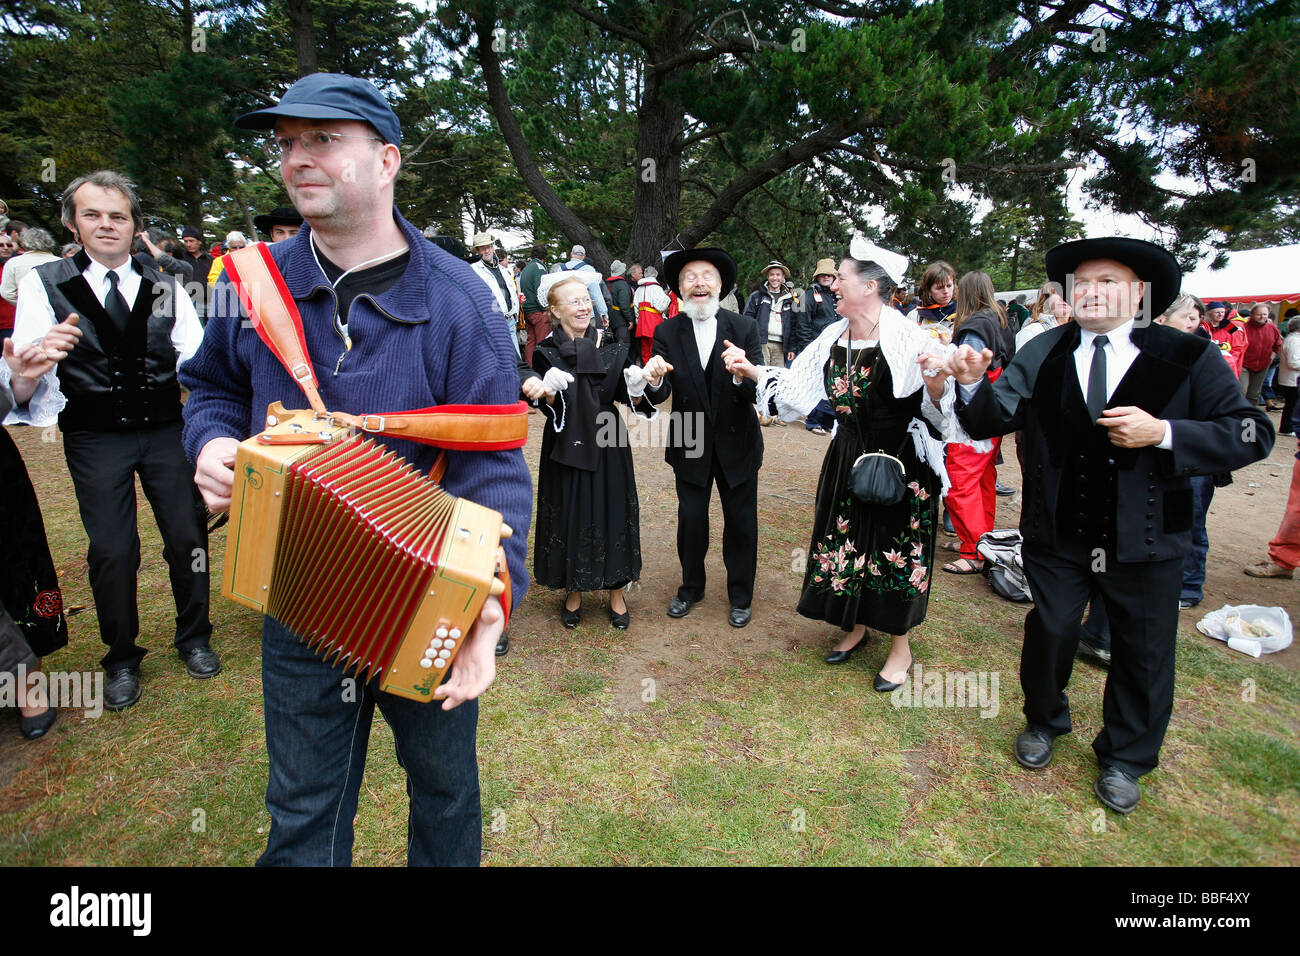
(214, 473)
(475, 667)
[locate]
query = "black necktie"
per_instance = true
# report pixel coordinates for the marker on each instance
(115, 304)
(1097, 378)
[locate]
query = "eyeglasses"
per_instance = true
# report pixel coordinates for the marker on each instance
(585, 300)
(317, 142)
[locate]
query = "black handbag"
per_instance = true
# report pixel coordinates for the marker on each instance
(877, 478)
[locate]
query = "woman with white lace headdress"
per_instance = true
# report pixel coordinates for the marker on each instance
(869, 566)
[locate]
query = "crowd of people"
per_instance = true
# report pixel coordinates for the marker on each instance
(1127, 399)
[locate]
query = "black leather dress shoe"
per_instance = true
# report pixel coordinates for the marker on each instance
(1034, 748)
(839, 657)
(33, 727)
(739, 616)
(570, 619)
(679, 607)
(201, 662)
(1117, 790)
(503, 645)
(121, 688)
(620, 621)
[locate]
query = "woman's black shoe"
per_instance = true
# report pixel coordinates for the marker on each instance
(620, 621)
(33, 727)
(569, 618)
(839, 657)
(884, 687)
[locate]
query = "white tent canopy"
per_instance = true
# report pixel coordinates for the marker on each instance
(1252, 275)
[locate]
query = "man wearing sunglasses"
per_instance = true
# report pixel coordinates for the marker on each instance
(391, 322)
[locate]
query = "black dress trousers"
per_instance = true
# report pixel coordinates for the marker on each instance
(739, 535)
(103, 466)
(1141, 603)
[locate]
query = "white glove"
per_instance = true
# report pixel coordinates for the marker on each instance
(556, 379)
(635, 379)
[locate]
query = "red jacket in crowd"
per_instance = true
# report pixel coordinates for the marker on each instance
(1263, 341)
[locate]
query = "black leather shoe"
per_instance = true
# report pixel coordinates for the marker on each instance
(739, 616)
(570, 619)
(882, 686)
(679, 607)
(121, 688)
(947, 523)
(1003, 490)
(1117, 790)
(620, 621)
(33, 727)
(1090, 651)
(503, 645)
(839, 657)
(201, 662)
(1034, 748)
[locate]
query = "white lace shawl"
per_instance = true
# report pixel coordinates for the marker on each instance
(45, 404)
(795, 391)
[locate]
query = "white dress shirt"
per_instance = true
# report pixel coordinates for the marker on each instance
(706, 333)
(1120, 355)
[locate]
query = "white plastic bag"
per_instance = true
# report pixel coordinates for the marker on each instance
(1250, 628)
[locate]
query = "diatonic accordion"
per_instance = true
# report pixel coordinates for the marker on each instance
(367, 560)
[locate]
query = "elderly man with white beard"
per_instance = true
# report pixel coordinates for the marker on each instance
(727, 446)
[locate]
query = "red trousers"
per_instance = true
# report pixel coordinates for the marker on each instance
(972, 500)
(1284, 550)
(539, 327)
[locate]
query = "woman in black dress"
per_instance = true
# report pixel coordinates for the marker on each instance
(868, 566)
(588, 521)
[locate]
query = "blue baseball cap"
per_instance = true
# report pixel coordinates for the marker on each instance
(330, 96)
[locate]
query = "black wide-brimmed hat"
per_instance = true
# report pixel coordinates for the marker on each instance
(720, 259)
(279, 216)
(1154, 266)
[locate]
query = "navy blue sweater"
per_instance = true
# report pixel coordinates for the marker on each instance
(434, 338)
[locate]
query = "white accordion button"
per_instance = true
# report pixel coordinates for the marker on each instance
(455, 634)
(425, 662)
(435, 644)
(450, 644)
(441, 632)
(444, 654)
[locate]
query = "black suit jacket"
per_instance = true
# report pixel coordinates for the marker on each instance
(1178, 377)
(721, 419)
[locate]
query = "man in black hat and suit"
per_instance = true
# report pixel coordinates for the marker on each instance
(713, 432)
(1118, 414)
(282, 222)
(201, 263)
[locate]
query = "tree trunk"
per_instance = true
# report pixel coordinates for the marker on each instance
(657, 190)
(304, 36)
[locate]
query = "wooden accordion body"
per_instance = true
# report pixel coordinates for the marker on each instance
(366, 559)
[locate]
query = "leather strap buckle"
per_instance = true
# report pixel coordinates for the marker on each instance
(302, 373)
(365, 425)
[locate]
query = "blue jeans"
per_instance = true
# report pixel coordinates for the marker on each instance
(317, 729)
(823, 415)
(1194, 563)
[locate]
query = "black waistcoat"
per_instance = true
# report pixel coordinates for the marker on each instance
(115, 381)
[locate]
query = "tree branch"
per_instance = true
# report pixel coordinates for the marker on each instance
(610, 26)
(753, 177)
(730, 44)
(573, 227)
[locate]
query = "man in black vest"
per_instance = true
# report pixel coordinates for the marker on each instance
(1118, 413)
(108, 333)
(713, 432)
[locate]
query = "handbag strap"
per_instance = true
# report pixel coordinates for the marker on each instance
(275, 317)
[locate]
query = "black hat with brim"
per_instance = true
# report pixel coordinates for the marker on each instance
(719, 258)
(279, 216)
(1153, 265)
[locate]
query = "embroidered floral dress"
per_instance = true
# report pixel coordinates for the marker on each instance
(868, 564)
